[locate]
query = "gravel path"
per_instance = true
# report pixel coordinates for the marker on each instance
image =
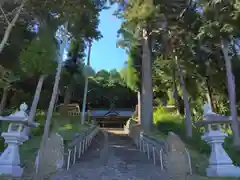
(112, 157)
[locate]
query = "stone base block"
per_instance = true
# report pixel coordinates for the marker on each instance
(223, 171)
(9, 170)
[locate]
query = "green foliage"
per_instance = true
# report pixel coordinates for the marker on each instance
(7, 77)
(20, 96)
(131, 73)
(103, 75)
(221, 19)
(171, 121)
(115, 77)
(194, 38)
(38, 131)
(66, 127)
(40, 56)
(4, 128)
(108, 87)
(74, 70)
(2, 144)
(75, 12)
(74, 62)
(88, 71)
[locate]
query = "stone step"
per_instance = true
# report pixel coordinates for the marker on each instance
(113, 156)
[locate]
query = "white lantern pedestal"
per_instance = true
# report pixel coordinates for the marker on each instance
(14, 137)
(220, 164)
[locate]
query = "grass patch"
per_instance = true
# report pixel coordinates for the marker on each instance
(67, 127)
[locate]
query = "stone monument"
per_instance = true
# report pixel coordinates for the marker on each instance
(53, 158)
(220, 164)
(177, 158)
(14, 137)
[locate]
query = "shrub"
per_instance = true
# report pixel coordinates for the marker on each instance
(4, 128)
(2, 144)
(130, 122)
(38, 131)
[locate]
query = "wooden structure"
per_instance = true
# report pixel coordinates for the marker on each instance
(70, 109)
(116, 118)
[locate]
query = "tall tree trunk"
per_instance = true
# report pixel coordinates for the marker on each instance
(10, 26)
(209, 95)
(86, 86)
(56, 102)
(35, 102)
(68, 93)
(68, 96)
(38, 175)
(147, 92)
(84, 101)
(185, 99)
(139, 110)
(175, 91)
(4, 99)
(231, 93)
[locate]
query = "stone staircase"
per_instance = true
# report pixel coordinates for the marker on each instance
(113, 157)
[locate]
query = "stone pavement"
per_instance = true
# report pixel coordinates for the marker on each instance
(112, 157)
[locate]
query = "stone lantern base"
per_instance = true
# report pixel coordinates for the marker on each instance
(10, 158)
(223, 171)
(12, 170)
(220, 164)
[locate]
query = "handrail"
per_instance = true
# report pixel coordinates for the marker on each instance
(189, 161)
(154, 148)
(79, 146)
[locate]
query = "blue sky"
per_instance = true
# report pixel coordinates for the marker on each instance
(105, 54)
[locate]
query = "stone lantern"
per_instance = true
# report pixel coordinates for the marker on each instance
(15, 136)
(220, 164)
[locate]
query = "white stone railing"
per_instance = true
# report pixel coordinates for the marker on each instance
(156, 150)
(79, 146)
(153, 148)
(74, 113)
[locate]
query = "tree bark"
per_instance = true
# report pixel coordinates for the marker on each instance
(4, 99)
(68, 94)
(86, 87)
(11, 25)
(185, 99)
(175, 91)
(231, 93)
(35, 102)
(147, 92)
(38, 175)
(84, 101)
(139, 110)
(48, 119)
(209, 95)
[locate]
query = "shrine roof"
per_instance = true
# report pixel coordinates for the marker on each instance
(107, 112)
